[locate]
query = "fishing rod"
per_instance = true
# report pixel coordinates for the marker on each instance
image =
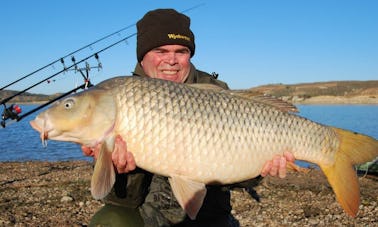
(82, 48)
(13, 111)
(65, 69)
(78, 50)
(61, 59)
(83, 86)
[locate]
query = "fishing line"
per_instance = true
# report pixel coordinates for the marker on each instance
(68, 67)
(49, 102)
(194, 7)
(61, 58)
(86, 77)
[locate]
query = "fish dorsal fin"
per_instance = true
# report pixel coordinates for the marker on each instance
(211, 87)
(103, 177)
(190, 194)
(251, 95)
(264, 99)
(277, 103)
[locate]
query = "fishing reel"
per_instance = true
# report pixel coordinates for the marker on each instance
(11, 112)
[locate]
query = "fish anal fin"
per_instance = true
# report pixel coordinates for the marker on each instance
(190, 194)
(103, 177)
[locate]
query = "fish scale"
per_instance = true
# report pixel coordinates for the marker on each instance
(197, 136)
(206, 125)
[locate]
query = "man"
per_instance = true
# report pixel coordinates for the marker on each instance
(165, 45)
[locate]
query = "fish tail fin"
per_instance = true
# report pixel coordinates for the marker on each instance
(354, 149)
(103, 177)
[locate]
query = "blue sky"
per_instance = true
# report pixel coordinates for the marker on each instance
(249, 43)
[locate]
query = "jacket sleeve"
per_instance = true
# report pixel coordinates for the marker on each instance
(205, 78)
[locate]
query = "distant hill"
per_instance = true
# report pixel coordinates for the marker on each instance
(324, 92)
(318, 92)
(25, 97)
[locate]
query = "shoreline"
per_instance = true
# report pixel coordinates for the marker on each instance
(337, 100)
(317, 100)
(43, 193)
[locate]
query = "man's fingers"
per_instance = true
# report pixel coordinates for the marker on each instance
(289, 156)
(266, 168)
(122, 159)
(125, 162)
(275, 166)
(115, 156)
(90, 151)
(131, 165)
(282, 168)
(122, 163)
(87, 151)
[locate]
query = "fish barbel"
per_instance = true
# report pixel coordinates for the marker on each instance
(199, 137)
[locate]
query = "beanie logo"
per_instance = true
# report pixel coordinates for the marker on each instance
(178, 36)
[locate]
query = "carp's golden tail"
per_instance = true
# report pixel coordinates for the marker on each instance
(354, 149)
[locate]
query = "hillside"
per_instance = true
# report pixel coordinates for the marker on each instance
(25, 97)
(335, 92)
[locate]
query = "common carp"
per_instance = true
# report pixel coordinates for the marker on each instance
(199, 137)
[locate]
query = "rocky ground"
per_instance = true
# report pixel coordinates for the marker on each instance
(57, 194)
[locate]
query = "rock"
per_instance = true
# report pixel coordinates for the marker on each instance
(31, 199)
(66, 199)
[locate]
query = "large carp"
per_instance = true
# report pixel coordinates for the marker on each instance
(199, 136)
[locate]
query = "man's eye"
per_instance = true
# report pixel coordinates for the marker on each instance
(183, 51)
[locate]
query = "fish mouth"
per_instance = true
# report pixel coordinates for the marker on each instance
(40, 126)
(47, 131)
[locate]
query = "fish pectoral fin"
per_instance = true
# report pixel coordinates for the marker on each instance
(190, 194)
(103, 177)
(293, 167)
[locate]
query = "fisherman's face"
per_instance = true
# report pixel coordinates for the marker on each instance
(168, 62)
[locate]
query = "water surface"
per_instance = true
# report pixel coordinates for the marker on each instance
(19, 142)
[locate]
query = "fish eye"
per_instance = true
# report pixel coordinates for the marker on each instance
(68, 104)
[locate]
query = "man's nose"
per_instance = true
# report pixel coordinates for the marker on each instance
(171, 58)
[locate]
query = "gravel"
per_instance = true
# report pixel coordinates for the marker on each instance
(58, 194)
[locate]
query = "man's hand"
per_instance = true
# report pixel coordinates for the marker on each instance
(277, 166)
(89, 151)
(123, 160)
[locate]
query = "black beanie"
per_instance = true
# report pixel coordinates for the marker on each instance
(163, 27)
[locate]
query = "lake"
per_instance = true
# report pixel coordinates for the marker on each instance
(19, 142)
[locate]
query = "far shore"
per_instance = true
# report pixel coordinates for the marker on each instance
(339, 100)
(317, 100)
